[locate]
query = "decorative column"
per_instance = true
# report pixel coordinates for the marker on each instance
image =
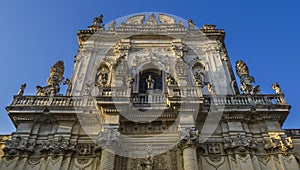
(189, 138)
(109, 141)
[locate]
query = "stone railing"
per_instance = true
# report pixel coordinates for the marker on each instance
(119, 92)
(244, 100)
(227, 100)
(51, 101)
(184, 92)
(153, 99)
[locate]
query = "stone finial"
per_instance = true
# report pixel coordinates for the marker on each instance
(21, 90)
(276, 88)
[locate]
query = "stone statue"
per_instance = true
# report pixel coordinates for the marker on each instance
(170, 80)
(53, 82)
(39, 91)
(198, 79)
(191, 24)
(102, 77)
(112, 25)
(98, 22)
(22, 88)
(246, 80)
(276, 88)
(211, 89)
(150, 83)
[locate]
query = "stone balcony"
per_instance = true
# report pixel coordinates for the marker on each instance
(233, 107)
(208, 100)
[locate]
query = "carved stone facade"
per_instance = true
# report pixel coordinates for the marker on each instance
(150, 92)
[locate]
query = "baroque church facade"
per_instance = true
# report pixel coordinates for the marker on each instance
(150, 92)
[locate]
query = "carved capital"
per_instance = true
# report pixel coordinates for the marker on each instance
(188, 136)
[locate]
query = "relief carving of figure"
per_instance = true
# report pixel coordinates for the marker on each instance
(22, 88)
(150, 83)
(129, 81)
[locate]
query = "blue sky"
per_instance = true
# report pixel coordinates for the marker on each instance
(35, 34)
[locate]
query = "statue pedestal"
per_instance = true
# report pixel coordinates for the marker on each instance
(150, 95)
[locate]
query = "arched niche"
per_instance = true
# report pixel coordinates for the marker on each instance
(103, 75)
(155, 74)
(199, 74)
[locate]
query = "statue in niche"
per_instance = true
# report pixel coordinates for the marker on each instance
(198, 79)
(22, 88)
(102, 77)
(150, 83)
(276, 88)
